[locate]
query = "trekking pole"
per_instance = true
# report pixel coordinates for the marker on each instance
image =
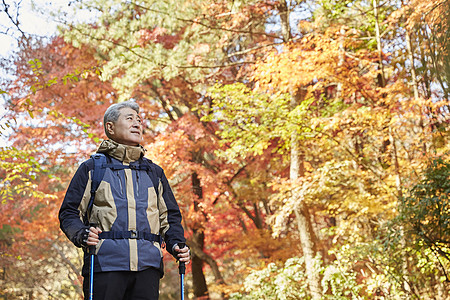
(91, 273)
(91, 251)
(182, 270)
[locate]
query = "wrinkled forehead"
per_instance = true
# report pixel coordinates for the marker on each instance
(127, 111)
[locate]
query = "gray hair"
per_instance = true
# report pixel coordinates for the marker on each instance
(113, 112)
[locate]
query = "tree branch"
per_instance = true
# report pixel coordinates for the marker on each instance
(203, 24)
(15, 20)
(225, 65)
(197, 251)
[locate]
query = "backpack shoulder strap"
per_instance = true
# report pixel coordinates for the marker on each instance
(153, 172)
(97, 176)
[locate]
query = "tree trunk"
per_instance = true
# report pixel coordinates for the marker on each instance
(414, 83)
(302, 213)
(394, 156)
(198, 238)
(209, 260)
(297, 168)
(283, 9)
(381, 78)
(413, 68)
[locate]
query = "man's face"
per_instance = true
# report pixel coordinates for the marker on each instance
(127, 129)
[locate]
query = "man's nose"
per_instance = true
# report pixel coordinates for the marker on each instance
(136, 124)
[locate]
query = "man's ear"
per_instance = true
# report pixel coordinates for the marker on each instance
(110, 128)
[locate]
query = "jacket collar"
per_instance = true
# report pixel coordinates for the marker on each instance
(124, 153)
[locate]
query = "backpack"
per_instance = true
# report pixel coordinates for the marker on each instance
(100, 165)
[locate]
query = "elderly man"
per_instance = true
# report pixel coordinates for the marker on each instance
(130, 217)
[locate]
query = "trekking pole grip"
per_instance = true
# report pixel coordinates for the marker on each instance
(181, 266)
(91, 249)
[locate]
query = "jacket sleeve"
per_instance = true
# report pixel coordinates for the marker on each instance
(172, 229)
(69, 214)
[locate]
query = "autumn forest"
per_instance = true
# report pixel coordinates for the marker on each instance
(307, 142)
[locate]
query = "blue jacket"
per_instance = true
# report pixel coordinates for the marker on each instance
(125, 201)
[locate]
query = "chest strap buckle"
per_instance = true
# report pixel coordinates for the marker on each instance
(131, 234)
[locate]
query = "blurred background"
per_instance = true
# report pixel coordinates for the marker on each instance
(307, 142)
